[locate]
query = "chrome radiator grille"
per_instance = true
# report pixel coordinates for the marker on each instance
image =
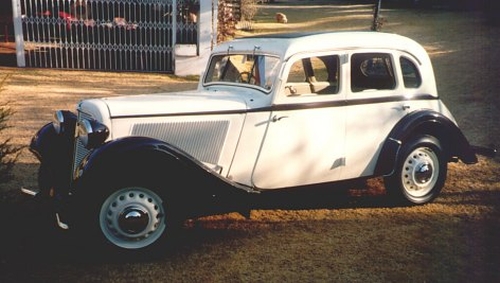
(202, 139)
(80, 151)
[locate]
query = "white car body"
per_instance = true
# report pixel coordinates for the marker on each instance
(310, 143)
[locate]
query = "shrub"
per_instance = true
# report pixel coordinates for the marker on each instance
(248, 9)
(8, 153)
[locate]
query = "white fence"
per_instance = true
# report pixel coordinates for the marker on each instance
(117, 35)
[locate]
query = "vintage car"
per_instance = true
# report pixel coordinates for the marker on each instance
(271, 112)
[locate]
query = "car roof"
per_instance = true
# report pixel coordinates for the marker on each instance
(288, 44)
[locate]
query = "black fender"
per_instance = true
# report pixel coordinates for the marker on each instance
(43, 143)
(195, 187)
(424, 122)
(54, 150)
(48, 144)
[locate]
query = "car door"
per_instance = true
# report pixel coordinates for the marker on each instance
(376, 101)
(304, 141)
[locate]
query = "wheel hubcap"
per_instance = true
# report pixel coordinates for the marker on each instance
(132, 218)
(420, 172)
(423, 173)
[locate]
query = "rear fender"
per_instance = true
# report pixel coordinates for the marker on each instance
(424, 122)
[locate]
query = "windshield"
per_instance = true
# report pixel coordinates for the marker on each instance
(253, 69)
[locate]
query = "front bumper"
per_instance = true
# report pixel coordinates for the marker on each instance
(36, 194)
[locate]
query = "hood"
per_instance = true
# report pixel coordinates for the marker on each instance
(174, 103)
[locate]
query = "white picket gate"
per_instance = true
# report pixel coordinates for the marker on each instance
(115, 35)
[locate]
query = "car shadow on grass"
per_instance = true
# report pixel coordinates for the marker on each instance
(30, 234)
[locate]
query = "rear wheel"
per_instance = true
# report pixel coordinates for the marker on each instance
(420, 172)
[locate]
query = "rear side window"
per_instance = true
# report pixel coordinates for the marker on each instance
(411, 75)
(372, 71)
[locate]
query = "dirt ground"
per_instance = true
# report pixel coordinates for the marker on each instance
(325, 238)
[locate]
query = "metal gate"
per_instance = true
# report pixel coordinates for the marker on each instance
(117, 35)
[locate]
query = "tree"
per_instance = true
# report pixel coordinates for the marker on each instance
(226, 21)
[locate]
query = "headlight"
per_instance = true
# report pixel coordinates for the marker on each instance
(92, 133)
(64, 121)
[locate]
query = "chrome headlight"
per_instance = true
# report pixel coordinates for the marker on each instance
(92, 133)
(64, 121)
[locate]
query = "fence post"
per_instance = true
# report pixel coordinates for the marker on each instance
(205, 27)
(193, 63)
(376, 19)
(18, 32)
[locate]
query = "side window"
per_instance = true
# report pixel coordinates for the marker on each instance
(314, 75)
(297, 73)
(411, 75)
(372, 71)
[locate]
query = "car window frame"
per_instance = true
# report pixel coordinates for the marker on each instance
(416, 64)
(282, 97)
(373, 93)
(394, 69)
(266, 91)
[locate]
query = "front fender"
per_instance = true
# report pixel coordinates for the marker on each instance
(48, 144)
(424, 122)
(54, 150)
(194, 185)
(123, 152)
(42, 142)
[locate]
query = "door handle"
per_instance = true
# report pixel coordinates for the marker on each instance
(276, 118)
(405, 107)
(292, 89)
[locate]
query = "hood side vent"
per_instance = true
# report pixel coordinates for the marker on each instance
(203, 140)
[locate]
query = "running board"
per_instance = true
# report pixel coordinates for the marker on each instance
(490, 151)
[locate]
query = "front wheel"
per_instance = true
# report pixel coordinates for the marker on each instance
(133, 218)
(130, 219)
(420, 171)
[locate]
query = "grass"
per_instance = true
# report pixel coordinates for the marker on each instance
(350, 235)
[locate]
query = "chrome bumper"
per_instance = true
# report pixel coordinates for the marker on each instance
(30, 192)
(34, 193)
